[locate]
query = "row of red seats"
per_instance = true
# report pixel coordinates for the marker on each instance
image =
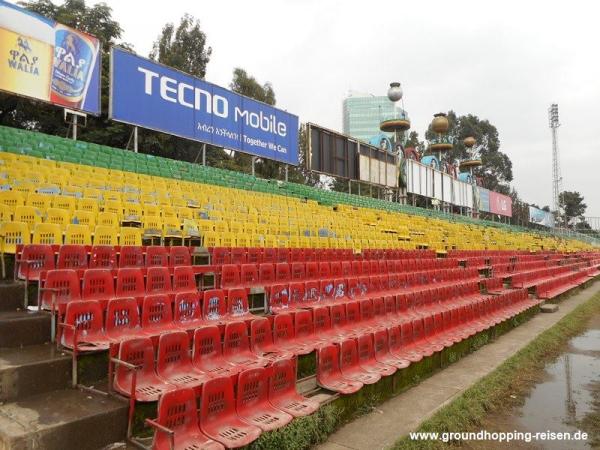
(255, 255)
(560, 284)
(346, 366)
(532, 277)
(91, 326)
(59, 287)
(493, 285)
(266, 400)
(266, 273)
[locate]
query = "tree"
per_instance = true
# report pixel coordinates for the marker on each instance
(496, 171)
(413, 141)
(572, 206)
(97, 20)
(183, 48)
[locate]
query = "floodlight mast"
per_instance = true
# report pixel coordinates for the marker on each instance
(556, 175)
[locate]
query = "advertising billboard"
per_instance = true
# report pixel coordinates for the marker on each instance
(500, 204)
(541, 217)
(150, 95)
(332, 153)
(48, 61)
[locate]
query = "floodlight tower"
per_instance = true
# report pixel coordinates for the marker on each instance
(556, 176)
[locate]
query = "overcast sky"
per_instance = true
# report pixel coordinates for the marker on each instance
(503, 61)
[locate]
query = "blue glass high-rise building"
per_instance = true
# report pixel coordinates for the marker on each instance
(364, 112)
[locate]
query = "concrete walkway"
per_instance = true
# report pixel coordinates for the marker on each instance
(404, 413)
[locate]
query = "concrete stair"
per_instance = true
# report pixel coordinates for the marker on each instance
(38, 408)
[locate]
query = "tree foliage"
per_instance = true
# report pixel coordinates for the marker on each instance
(572, 206)
(184, 48)
(496, 171)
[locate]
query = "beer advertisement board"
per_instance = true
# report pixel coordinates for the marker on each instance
(48, 61)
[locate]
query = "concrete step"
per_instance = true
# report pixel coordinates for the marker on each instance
(22, 328)
(12, 294)
(32, 370)
(66, 419)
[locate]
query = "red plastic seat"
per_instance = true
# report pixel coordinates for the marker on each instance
(103, 257)
(283, 255)
(230, 275)
(148, 387)
(336, 269)
(312, 292)
(270, 255)
(312, 270)
(297, 255)
(87, 318)
(72, 256)
(298, 271)
(237, 305)
(249, 275)
(324, 270)
(297, 294)
(34, 259)
(188, 311)
(158, 280)
(218, 416)
(220, 256)
(98, 284)
(255, 255)
(282, 272)
(339, 323)
(367, 360)
(131, 256)
(236, 347)
(282, 390)
(400, 340)
(177, 411)
(214, 307)
(266, 274)
(322, 325)
(239, 255)
(207, 353)
(157, 315)
(382, 349)
(261, 340)
(130, 283)
(174, 364)
(279, 298)
(63, 284)
(252, 402)
(350, 367)
(122, 319)
(184, 279)
(179, 256)
(304, 331)
(329, 375)
(284, 336)
(157, 255)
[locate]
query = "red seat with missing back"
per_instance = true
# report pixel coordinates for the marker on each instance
(174, 364)
(149, 387)
(252, 402)
(131, 256)
(261, 340)
(98, 284)
(62, 285)
(218, 416)
(122, 319)
(207, 353)
(177, 411)
(236, 347)
(282, 390)
(187, 313)
(157, 256)
(87, 318)
(350, 367)
(329, 375)
(179, 256)
(72, 256)
(103, 257)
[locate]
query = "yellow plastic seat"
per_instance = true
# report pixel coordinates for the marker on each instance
(13, 234)
(47, 233)
(78, 234)
(130, 236)
(105, 235)
(12, 199)
(28, 214)
(211, 239)
(113, 207)
(108, 218)
(88, 204)
(40, 201)
(58, 216)
(65, 202)
(84, 218)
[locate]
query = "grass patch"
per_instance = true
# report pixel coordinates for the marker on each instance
(507, 386)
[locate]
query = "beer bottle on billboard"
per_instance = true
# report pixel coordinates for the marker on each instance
(74, 58)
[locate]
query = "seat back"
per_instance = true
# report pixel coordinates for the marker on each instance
(303, 324)
(85, 316)
(213, 304)
(131, 256)
(207, 344)
(103, 256)
(140, 353)
(230, 275)
(35, 258)
(179, 256)
(65, 286)
(157, 255)
(252, 389)
(173, 352)
(365, 348)
(178, 412)
(158, 280)
(266, 273)
(72, 256)
(282, 272)
(279, 297)
(235, 338)
(218, 403)
(130, 282)
(283, 328)
(184, 279)
(297, 293)
(237, 303)
(283, 378)
(321, 320)
(338, 316)
(328, 361)
(261, 335)
(98, 284)
(187, 307)
(156, 311)
(249, 274)
(122, 314)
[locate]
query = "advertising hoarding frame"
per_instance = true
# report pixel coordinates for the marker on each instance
(212, 85)
(97, 66)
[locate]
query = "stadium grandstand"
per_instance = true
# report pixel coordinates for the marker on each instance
(164, 282)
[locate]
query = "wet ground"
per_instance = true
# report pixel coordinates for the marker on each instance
(567, 399)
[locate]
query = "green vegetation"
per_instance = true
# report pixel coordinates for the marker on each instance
(509, 384)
